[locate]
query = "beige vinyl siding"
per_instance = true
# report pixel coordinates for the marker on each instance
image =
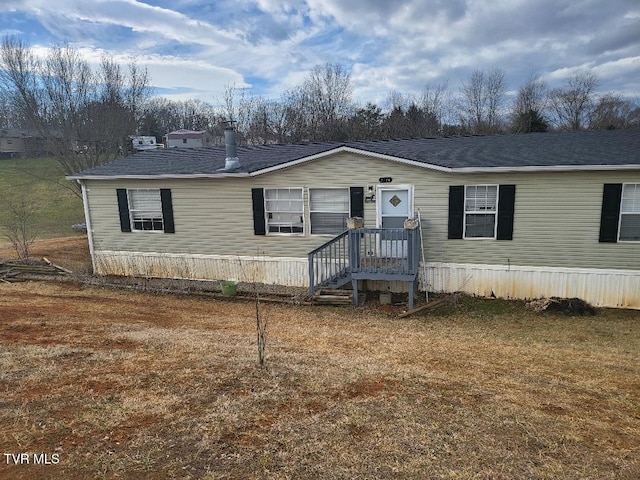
(556, 221)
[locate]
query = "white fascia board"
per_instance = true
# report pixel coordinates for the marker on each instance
(350, 150)
(155, 177)
(550, 168)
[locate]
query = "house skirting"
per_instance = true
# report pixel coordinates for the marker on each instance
(288, 271)
(599, 287)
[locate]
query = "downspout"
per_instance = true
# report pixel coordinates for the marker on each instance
(87, 221)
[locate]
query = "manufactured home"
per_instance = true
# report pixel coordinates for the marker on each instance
(513, 216)
(144, 142)
(186, 139)
(21, 143)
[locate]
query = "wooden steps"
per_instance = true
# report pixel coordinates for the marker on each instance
(325, 296)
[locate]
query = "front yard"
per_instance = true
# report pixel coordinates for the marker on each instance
(118, 384)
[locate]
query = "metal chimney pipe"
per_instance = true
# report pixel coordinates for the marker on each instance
(231, 148)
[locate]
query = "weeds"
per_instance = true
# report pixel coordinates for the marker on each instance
(144, 385)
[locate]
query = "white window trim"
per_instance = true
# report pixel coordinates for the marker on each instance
(303, 214)
(348, 212)
(622, 213)
(131, 210)
(495, 213)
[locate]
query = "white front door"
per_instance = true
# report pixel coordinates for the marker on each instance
(393, 206)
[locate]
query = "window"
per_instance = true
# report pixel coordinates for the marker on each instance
(480, 209)
(281, 210)
(329, 210)
(184, 140)
(284, 210)
(630, 213)
(145, 209)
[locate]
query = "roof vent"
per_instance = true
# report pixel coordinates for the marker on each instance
(231, 162)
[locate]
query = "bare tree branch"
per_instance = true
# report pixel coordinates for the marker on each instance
(571, 105)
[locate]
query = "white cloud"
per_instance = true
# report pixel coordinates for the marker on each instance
(133, 14)
(272, 44)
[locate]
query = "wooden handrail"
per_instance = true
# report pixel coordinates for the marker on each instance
(376, 253)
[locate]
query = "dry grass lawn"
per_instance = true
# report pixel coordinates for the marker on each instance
(136, 385)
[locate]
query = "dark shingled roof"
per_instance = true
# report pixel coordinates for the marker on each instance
(544, 150)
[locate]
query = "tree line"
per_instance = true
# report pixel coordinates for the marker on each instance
(87, 114)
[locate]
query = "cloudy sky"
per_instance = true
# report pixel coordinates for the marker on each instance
(194, 48)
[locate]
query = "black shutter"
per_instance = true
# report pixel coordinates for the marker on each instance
(357, 202)
(456, 211)
(506, 202)
(257, 196)
(123, 207)
(167, 210)
(610, 214)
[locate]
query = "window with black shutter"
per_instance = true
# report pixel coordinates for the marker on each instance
(481, 211)
(610, 213)
(620, 215)
(145, 210)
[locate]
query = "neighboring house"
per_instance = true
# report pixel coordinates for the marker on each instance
(20, 143)
(516, 216)
(144, 142)
(186, 139)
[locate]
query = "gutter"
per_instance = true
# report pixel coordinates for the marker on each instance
(81, 177)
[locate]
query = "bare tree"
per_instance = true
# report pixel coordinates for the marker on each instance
(268, 122)
(239, 106)
(19, 83)
(18, 228)
(613, 111)
(571, 105)
(412, 116)
(483, 96)
(435, 101)
(326, 101)
(7, 116)
(396, 100)
(529, 106)
(296, 121)
(496, 94)
(162, 116)
(86, 116)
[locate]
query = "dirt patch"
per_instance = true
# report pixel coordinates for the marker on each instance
(69, 252)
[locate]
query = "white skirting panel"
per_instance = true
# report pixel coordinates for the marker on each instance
(604, 288)
(288, 271)
(599, 287)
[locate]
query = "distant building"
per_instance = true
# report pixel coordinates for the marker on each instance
(16, 142)
(144, 142)
(186, 139)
